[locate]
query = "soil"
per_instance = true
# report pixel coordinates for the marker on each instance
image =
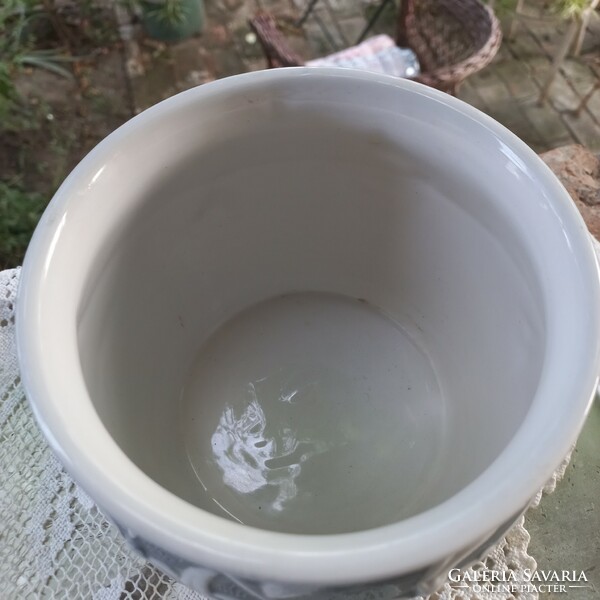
(60, 120)
(66, 122)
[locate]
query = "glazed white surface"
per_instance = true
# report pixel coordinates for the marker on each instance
(314, 413)
(349, 183)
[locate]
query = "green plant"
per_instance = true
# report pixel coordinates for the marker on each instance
(12, 24)
(571, 8)
(7, 91)
(17, 50)
(51, 60)
(167, 12)
(169, 20)
(19, 214)
(565, 8)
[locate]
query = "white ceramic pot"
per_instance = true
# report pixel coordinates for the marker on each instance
(310, 333)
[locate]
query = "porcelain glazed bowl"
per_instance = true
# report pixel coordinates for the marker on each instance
(310, 333)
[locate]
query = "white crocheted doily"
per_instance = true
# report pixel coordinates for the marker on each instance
(55, 543)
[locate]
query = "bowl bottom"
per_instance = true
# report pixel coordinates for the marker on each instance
(314, 413)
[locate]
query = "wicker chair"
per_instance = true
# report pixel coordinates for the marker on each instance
(451, 38)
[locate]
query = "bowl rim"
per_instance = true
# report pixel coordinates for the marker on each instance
(147, 510)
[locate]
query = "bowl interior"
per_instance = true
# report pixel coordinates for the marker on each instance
(318, 310)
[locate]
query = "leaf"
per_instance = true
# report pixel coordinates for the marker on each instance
(571, 8)
(47, 63)
(168, 12)
(55, 56)
(19, 214)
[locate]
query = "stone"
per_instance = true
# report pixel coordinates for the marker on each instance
(549, 35)
(592, 36)
(491, 88)
(352, 28)
(468, 93)
(548, 123)
(584, 128)
(562, 96)
(579, 75)
(517, 79)
(347, 8)
(579, 171)
(232, 4)
(593, 104)
(524, 45)
(538, 66)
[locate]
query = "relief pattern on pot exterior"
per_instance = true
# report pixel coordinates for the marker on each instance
(222, 586)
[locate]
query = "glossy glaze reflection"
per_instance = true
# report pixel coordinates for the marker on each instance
(313, 413)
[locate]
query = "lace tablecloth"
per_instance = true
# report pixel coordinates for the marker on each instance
(55, 543)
